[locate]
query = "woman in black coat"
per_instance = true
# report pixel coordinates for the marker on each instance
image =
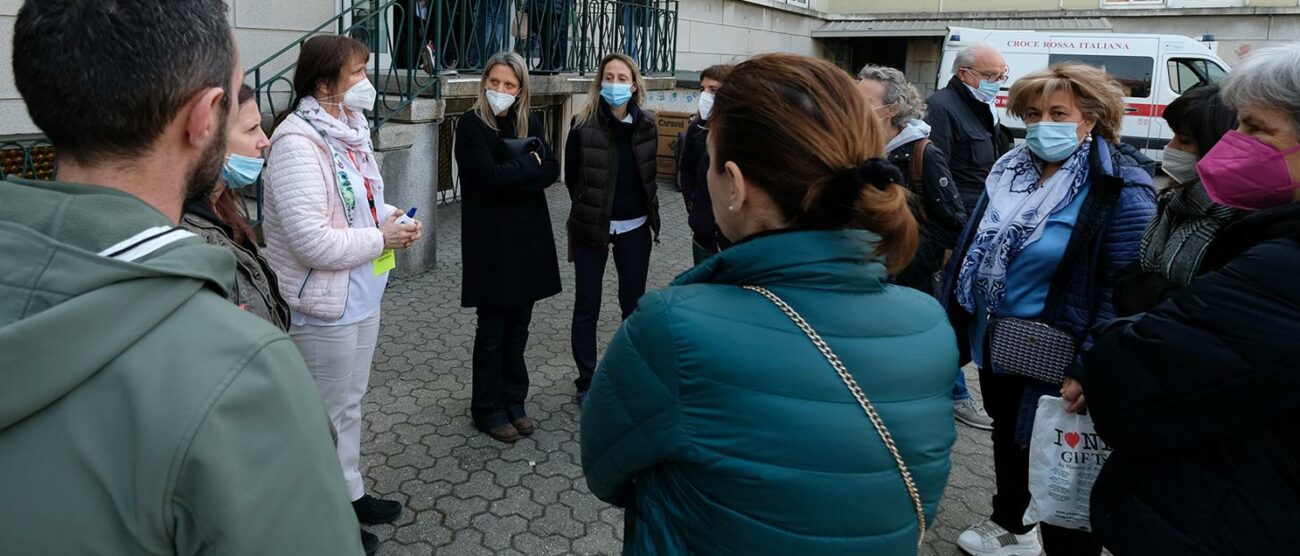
(1199, 398)
(507, 248)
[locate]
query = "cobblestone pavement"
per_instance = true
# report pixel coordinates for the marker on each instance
(467, 494)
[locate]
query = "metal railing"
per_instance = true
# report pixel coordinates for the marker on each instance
(554, 36)
(388, 29)
(412, 42)
(645, 30)
(28, 157)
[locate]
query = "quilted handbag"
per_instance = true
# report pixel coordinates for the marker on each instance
(1031, 349)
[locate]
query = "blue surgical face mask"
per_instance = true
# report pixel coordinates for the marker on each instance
(241, 171)
(616, 94)
(987, 91)
(1052, 141)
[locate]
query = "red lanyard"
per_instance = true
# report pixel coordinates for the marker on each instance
(370, 194)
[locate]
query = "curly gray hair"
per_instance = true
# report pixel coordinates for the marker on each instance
(1268, 78)
(898, 93)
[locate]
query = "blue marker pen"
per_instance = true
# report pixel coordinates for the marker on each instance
(407, 218)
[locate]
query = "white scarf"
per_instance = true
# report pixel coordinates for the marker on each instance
(1017, 207)
(351, 134)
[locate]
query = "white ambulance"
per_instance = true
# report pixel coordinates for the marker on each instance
(1153, 69)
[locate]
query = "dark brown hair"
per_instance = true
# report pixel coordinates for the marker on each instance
(795, 127)
(228, 206)
(321, 61)
(717, 73)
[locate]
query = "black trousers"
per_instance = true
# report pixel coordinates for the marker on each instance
(632, 261)
(500, 374)
(1002, 395)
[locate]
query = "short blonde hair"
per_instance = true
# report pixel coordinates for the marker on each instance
(1097, 94)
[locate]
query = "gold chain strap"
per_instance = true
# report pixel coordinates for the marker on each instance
(857, 392)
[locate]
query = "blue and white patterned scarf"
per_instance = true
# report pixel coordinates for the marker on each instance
(1017, 208)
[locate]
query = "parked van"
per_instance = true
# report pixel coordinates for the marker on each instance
(1153, 69)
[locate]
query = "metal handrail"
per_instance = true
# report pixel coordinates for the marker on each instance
(366, 23)
(554, 36)
(28, 157)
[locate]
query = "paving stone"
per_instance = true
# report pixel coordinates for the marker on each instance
(468, 494)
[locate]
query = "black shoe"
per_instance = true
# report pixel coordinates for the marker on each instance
(373, 511)
(369, 542)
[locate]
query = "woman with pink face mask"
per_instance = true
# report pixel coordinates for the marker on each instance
(1199, 398)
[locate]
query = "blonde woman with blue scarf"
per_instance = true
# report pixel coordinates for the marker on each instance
(1060, 215)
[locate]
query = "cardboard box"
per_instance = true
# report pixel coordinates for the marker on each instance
(672, 123)
(667, 166)
(668, 146)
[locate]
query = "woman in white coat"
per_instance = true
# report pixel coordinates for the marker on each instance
(331, 237)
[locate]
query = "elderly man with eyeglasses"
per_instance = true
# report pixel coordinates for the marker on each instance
(964, 119)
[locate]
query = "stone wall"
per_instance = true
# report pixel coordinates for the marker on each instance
(262, 27)
(728, 31)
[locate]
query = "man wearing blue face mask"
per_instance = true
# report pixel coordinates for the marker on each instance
(964, 121)
(220, 219)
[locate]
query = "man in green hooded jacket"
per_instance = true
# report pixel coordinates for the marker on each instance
(140, 412)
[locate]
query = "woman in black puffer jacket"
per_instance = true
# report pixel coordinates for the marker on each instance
(609, 168)
(1200, 397)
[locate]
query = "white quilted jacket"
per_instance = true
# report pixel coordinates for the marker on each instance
(308, 241)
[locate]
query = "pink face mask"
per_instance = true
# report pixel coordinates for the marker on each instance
(1243, 172)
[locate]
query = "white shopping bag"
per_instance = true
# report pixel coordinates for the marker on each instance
(1065, 456)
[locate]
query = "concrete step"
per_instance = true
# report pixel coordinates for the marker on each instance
(420, 110)
(395, 136)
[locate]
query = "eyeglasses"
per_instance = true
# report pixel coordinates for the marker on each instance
(991, 77)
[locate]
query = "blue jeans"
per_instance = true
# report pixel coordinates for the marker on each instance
(630, 23)
(492, 18)
(959, 391)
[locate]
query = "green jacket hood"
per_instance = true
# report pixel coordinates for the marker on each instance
(68, 309)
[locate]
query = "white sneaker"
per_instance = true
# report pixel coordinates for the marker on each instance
(990, 539)
(970, 413)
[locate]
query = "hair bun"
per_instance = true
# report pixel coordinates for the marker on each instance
(879, 172)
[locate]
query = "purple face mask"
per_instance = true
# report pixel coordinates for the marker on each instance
(1245, 173)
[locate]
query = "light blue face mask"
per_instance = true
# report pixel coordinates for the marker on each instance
(616, 94)
(988, 91)
(1052, 141)
(241, 171)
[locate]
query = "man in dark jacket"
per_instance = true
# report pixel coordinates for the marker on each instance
(935, 201)
(693, 170)
(964, 122)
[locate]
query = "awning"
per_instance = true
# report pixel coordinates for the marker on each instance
(939, 27)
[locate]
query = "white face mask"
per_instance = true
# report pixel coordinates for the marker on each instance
(1180, 165)
(705, 105)
(361, 97)
(499, 102)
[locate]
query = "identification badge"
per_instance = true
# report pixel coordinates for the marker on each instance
(386, 262)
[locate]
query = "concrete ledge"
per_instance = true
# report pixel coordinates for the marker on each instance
(394, 136)
(467, 86)
(421, 110)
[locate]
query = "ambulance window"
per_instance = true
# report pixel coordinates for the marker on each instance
(1132, 72)
(1187, 73)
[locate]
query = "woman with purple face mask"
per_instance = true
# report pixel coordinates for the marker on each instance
(1199, 397)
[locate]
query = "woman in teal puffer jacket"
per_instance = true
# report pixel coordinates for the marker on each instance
(714, 419)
